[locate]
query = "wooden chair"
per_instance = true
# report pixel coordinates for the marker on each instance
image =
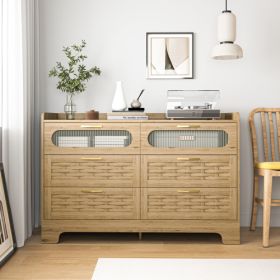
(265, 136)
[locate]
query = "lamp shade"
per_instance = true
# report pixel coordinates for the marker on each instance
(226, 49)
(226, 27)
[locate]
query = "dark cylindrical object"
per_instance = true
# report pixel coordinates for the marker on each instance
(92, 115)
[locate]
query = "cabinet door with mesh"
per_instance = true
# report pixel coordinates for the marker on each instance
(91, 138)
(91, 203)
(196, 203)
(93, 171)
(189, 138)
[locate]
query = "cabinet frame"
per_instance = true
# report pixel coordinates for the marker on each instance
(228, 228)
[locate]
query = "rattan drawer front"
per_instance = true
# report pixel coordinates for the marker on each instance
(190, 204)
(94, 171)
(91, 203)
(91, 138)
(189, 171)
(189, 138)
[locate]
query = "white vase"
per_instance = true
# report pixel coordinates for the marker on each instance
(119, 103)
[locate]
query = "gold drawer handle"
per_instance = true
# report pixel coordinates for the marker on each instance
(92, 158)
(92, 191)
(91, 126)
(188, 126)
(188, 159)
(188, 191)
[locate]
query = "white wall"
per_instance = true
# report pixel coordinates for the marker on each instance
(115, 32)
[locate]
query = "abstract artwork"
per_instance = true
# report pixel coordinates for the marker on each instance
(169, 55)
(7, 236)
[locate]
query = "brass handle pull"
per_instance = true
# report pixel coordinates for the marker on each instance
(91, 158)
(188, 126)
(188, 191)
(91, 126)
(188, 159)
(92, 191)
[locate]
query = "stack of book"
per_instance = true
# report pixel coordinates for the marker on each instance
(73, 141)
(110, 141)
(127, 116)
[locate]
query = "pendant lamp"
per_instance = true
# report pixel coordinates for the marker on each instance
(226, 49)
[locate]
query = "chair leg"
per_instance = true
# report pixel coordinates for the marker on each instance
(254, 203)
(267, 207)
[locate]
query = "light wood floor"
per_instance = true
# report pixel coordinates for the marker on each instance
(76, 255)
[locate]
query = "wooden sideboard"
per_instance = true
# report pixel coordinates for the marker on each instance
(157, 175)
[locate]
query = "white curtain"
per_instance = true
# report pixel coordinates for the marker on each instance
(17, 110)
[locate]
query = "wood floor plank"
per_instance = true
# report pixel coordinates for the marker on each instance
(76, 255)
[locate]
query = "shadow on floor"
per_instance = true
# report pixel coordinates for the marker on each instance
(145, 238)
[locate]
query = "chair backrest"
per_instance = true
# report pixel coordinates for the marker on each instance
(265, 133)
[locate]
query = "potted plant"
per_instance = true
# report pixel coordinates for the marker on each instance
(72, 78)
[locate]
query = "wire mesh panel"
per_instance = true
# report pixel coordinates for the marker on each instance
(92, 138)
(188, 138)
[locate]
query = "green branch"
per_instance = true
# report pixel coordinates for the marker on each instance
(73, 77)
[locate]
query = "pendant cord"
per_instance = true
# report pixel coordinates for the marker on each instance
(226, 5)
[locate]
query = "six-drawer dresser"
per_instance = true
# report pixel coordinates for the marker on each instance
(156, 175)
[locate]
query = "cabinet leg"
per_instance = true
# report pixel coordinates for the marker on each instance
(232, 238)
(230, 242)
(51, 237)
(140, 235)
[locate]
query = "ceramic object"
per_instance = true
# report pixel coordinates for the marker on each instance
(135, 104)
(119, 103)
(227, 49)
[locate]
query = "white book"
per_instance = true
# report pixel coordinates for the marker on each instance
(129, 113)
(117, 142)
(108, 146)
(127, 118)
(110, 137)
(73, 141)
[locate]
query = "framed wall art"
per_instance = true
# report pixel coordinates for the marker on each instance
(170, 55)
(7, 235)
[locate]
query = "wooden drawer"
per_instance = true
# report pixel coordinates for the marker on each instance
(95, 171)
(195, 203)
(188, 171)
(189, 138)
(91, 203)
(91, 138)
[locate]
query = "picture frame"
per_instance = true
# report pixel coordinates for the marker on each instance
(170, 55)
(7, 233)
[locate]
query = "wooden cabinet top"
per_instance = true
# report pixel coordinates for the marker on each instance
(153, 117)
